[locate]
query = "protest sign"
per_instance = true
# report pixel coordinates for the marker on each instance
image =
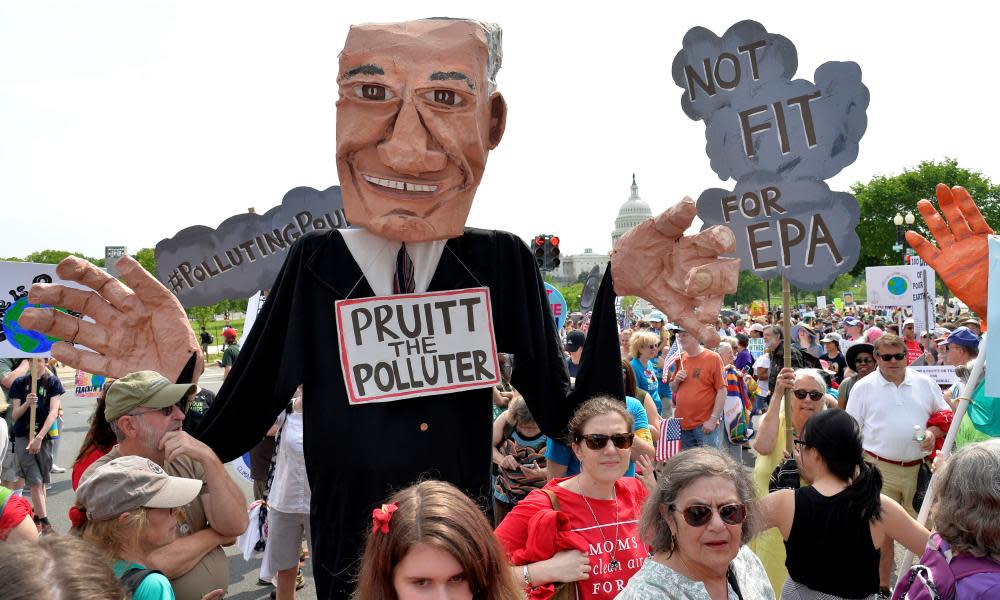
(779, 139)
(942, 375)
(993, 316)
(557, 304)
(838, 304)
(88, 385)
(899, 285)
(756, 347)
(847, 298)
(16, 278)
(111, 256)
(254, 304)
(202, 266)
(393, 347)
(820, 302)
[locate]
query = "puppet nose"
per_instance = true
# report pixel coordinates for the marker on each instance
(406, 150)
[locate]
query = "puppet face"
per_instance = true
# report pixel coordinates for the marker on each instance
(415, 123)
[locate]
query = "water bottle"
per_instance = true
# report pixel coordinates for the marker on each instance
(919, 433)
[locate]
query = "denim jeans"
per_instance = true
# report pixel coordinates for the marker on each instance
(697, 437)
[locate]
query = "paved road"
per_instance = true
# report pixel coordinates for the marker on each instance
(242, 574)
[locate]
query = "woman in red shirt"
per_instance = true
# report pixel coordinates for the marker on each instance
(593, 542)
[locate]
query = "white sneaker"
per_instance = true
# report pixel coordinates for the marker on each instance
(57, 469)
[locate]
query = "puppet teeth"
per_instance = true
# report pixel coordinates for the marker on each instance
(400, 185)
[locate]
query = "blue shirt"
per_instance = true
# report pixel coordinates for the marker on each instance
(562, 454)
(646, 380)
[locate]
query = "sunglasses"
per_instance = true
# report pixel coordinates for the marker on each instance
(698, 515)
(889, 357)
(166, 411)
(864, 361)
(802, 443)
(597, 441)
(812, 395)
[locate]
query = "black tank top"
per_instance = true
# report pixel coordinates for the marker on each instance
(828, 550)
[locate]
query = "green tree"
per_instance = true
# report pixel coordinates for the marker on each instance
(884, 196)
(572, 294)
(749, 288)
(201, 315)
(147, 258)
(52, 257)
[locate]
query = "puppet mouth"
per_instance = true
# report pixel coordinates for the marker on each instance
(403, 186)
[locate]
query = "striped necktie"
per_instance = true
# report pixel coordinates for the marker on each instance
(402, 279)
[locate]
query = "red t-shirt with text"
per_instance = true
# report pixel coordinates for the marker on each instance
(620, 540)
(913, 350)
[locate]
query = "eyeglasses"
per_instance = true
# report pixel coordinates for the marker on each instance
(698, 515)
(889, 357)
(597, 441)
(166, 411)
(802, 443)
(864, 361)
(812, 394)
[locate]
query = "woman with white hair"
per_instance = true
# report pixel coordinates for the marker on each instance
(808, 398)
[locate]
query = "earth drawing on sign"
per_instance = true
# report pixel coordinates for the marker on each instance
(897, 285)
(23, 339)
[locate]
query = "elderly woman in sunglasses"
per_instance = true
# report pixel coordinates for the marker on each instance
(841, 514)
(593, 542)
(696, 522)
(808, 398)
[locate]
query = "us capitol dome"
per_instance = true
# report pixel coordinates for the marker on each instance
(633, 212)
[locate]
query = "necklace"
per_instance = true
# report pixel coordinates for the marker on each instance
(614, 565)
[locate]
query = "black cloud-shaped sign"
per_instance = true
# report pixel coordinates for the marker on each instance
(202, 266)
(797, 229)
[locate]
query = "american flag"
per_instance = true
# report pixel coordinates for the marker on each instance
(673, 355)
(670, 438)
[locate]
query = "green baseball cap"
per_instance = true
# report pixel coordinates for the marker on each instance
(143, 388)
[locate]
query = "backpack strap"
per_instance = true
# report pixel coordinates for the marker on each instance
(552, 498)
(132, 579)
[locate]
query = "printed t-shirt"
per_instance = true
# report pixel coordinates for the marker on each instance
(153, 587)
(212, 571)
(913, 350)
(608, 539)
(695, 396)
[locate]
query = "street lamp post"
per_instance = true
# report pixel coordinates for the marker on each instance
(901, 233)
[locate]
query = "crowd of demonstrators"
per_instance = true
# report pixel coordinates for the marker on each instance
(288, 499)
(145, 411)
(840, 513)
(582, 530)
(34, 448)
(518, 457)
(696, 523)
(644, 346)
(633, 392)
(699, 392)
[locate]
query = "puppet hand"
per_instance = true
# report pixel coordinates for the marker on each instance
(137, 329)
(681, 275)
(961, 255)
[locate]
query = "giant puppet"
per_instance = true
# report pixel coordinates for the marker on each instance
(417, 116)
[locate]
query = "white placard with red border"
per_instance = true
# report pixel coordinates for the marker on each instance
(396, 347)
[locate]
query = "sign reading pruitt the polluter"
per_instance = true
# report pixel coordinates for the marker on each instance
(779, 138)
(393, 347)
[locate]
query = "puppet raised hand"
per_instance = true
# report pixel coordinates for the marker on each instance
(142, 328)
(681, 275)
(961, 256)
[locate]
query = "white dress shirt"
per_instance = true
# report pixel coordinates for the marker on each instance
(888, 413)
(377, 259)
(290, 488)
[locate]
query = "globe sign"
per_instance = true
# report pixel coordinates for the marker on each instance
(897, 285)
(23, 339)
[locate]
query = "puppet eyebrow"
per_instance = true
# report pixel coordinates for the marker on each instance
(451, 76)
(363, 70)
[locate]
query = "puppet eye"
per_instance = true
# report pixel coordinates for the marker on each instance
(445, 97)
(370, 91)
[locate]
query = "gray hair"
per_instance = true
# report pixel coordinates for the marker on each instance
(679, 472)
(812, 374)
(518, 409)
(775, 330)
(115, 429)
(968, 502)
(494, 49)
(724, 347)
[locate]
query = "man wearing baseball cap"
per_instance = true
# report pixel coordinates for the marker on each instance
(230, 352)
(574, 348)
(146, 411)
(961, 346)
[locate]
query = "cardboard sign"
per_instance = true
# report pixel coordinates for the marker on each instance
(901, 285)
(779, 138)
(847, 298)
(254, 304)
(820, 302)
(15, 281)
(993, 316)
(838, 304)
(557, 305)
(202, 266)
(111, 256)
(88, 385)
(942, 375)
(394, 347)
(756, 347)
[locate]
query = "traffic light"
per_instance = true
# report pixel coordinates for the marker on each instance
(551, 253)
(538, 247)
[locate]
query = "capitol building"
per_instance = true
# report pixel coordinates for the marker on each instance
(633, 212)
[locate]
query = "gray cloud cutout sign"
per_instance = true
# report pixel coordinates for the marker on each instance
(797, 229)
(202, 266)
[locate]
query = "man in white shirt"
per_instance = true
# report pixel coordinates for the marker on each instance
(892, 406)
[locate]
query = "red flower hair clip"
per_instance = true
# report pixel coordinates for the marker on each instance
(382, 516)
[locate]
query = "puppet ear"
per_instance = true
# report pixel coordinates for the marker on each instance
(498, 118)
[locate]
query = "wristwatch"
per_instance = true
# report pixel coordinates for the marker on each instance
(527, 577)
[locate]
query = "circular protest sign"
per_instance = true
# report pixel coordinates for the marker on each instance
(557, 304)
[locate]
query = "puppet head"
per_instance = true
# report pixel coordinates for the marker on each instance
(416, 119)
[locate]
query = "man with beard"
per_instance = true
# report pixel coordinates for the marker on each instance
(146, 412)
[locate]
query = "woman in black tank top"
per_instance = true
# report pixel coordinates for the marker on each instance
(833, 528)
